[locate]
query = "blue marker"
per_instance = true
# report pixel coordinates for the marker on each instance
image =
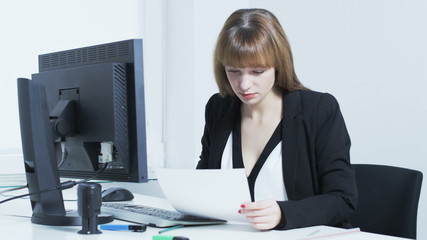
(135, 228)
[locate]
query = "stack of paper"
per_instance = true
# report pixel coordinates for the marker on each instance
(207, 193)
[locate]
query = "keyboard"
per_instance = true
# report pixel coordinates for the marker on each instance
(155, 217)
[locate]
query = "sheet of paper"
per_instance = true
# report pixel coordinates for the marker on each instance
(207, 193)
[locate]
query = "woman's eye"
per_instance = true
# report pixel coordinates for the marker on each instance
(233, 71)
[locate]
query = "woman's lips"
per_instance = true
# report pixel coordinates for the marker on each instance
(248, 96)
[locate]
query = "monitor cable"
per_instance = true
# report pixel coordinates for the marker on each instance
(62, 186)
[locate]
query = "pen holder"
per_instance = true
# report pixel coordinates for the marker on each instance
(89, 206)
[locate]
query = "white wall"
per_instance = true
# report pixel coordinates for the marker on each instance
(371, 55)
(30, 28)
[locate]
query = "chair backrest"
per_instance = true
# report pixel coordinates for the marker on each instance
(388, 200)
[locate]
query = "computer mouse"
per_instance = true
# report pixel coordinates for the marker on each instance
(116, 194)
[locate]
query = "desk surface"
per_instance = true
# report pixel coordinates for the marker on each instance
(15, 223)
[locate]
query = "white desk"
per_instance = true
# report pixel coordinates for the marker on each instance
(15, 223)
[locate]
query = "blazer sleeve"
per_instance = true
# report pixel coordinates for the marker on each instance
(204, 156)
(336, 197)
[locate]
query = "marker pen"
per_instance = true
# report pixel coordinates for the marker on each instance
(166, 237)
(114, 227)
(171, 228)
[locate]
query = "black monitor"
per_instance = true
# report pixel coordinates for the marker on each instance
(82, 116)
(41, 168)
(95, 98)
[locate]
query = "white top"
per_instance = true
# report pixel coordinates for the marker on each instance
(269, 183)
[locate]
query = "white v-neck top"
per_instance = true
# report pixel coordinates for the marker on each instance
(269, 182)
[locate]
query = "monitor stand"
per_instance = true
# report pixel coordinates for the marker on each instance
(71, 218)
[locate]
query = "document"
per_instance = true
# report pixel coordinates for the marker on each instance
(210, 193)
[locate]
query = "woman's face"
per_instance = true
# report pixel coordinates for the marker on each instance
(250, 84)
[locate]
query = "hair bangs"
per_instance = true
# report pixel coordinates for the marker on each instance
(244, 53)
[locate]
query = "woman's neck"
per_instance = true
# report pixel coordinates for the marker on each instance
(269, 109)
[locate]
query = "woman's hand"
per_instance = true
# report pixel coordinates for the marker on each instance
(263, 215)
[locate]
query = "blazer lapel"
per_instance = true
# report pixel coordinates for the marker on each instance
(291, 141)
(221, 129)
(223, 125)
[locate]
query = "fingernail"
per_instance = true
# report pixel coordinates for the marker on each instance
(240, 212)
(242, 206)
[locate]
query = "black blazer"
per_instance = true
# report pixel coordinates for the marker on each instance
(317, 173)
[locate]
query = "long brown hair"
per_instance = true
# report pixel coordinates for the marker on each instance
(254, 38)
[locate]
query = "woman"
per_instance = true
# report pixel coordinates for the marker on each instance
(291, 141)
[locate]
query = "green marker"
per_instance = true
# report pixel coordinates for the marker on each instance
(166, 237)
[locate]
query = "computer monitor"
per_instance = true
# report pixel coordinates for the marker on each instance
(82, 116)
(41, 169)
(95, 98)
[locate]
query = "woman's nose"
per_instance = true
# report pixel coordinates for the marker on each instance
(245, 82)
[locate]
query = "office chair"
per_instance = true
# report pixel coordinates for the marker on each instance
(388, 200)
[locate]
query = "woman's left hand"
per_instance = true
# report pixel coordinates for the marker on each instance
(263, 215)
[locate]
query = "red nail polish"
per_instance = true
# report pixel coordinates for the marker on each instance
(242, 206)
(240, 212)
